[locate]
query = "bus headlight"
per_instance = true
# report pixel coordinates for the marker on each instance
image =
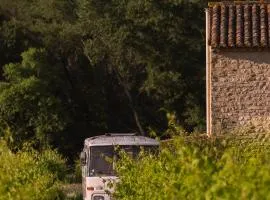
(98, 197)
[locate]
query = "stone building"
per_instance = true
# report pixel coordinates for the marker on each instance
(238, 66)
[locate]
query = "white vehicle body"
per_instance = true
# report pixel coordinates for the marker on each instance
(98, 175)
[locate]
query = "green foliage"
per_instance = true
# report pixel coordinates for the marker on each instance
(51, 161)
(188, 171)
(28, 174)
(72, 69)
(29, 106)
(73, 192)
(78, 171)
(154, 48)
(78, 197)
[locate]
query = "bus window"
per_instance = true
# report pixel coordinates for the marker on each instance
(134, 150)
(102, 157)
(100, 163)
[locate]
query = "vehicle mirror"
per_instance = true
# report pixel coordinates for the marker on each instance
(83, 158)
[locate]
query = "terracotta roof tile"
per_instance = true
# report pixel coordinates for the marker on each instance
(236, 25)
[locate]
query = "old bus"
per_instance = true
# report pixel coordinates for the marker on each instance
(98, 174)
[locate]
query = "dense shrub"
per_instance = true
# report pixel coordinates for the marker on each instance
(29, 175)
(190, 171)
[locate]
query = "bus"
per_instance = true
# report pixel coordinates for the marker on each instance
(98, 161)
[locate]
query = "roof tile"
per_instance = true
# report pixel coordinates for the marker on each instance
(236, 25)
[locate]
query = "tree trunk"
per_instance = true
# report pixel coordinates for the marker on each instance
(131, 104)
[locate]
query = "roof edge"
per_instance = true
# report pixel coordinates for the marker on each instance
(213, 3)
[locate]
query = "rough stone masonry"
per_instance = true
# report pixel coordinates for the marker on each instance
(238, 66)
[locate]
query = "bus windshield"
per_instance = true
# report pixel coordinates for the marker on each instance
(102, 157)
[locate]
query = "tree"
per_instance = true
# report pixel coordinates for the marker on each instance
(50, 25)
(30, 98)
(114, 66)
(155, 49)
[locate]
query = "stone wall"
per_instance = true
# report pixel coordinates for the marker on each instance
(240, 90)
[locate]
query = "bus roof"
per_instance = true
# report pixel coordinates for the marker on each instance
(119, 139)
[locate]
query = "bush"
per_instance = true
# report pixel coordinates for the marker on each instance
(78, 171)
(51, 161)
(29, 175)
(190, 171)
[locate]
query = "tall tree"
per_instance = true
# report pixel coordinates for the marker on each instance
(117, 66)
(155, 49)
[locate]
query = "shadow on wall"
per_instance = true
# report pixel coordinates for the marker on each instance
(258, 56)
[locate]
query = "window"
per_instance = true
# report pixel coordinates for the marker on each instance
(102, 157)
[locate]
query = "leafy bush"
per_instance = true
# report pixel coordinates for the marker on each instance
(78, 171)
(29, 175)
(51, 161)
(30, 103)
(190, 171)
